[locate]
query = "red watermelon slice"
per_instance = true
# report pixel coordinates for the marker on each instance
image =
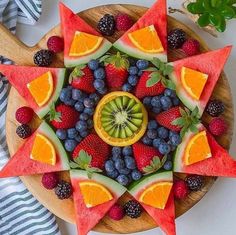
(157, 16)
(70, 23)
(20, 76)
(87, 218)
(211, 63)
(165, 218)
(220, 164)
(21, 164)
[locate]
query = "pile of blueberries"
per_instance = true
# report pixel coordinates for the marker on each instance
(162, 102)
(85, 104)
(135, 71)
(121, 166)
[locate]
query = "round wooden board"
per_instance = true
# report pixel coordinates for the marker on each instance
(64, 209)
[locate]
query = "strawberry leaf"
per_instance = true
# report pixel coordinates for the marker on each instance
(154, 166)
(155, 77)
(73, 165)
(53, 114)
(151, 69)
(193, 129)
(170, 84)
(179, 122)
(156, 62)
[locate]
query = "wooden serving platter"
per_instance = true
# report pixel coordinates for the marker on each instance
(12, 48)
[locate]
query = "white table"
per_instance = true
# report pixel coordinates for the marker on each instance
(216, 213)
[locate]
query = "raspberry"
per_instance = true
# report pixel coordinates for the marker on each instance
(49, 180)
(123, 22)
(176, 38)
(116, 212)
(215, 108)
(23, 131)
(191, 47)
(43, 58)
(180, 189)
(63, 190)
(55, 44)
(194, 182)
(133, 209)
(218, 126)
(24, 115)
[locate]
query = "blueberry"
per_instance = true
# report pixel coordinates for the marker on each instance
(79, 106)
(84, 116)
(152, 134)
(95, 97)
(156, 142)
(102, 91)
(119, 164)
(132, 61)
(81, 126)
(170, 93)
(113, 174)
(83, 134)
(169, 157)
(70, 145)
(164, 148)
(130, 162)
(147, 101)
(93, 64)
(133, 80)
(133, 70)
(99, 73)
(61, 134)
(172, 147)
(115, 158)
(65, 94)
(98, 84)
(172, 133)
(116, 151)
(155, 102)
(166, 102)
(127, 151)
(77, 94)
(168, 165)
(109, 166)
(90, 124)
(152, 124)
(127, 87)
(78, 138)
(89, 111)
(124, 171)
(70, 102)
(162, 132)
(156, 110)
(142, 64)
(72, 133)
(146, 140)
(123, 180)
(175, 139)
(88, 103)
(140, 73)
(175, 101)
(136, 175)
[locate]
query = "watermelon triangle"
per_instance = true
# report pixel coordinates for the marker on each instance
(157, 16)
(70, 23)
(211, 63)
(19, 76)
(20, 163)
(87, 218)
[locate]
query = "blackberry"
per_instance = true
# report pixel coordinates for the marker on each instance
(194, 182)
(176, 38)
(215, 108)
(106, 25)
(43, 58)
(133, 209)
(23, 131)
(63, 190)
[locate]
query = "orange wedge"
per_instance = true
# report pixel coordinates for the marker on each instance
(198, 149)
(94, 194)
(157, 195)
(193, 81)
(147, 40)
(41, 88)
(84, 44)
(43, 150)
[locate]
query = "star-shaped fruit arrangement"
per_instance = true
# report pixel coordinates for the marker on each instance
(120, 119)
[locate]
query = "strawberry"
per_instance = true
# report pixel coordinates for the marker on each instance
(63, 116)
(142, 90)
(82, 78)
(147, 158)
(97, 151)
(116, 67)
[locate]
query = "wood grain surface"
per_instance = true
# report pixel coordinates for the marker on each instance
(12, 48)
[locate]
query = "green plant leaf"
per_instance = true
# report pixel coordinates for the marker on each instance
(154, 79)
(228, 12)
(222, 27)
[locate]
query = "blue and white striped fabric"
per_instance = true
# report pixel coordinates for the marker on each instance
(20, 212)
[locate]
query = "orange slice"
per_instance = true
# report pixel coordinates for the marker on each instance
(43, 150)
(41, 88)
(198, 149)
(84, 44)
(193, 81)
(94, 194)
(157, 195)
(147, 40)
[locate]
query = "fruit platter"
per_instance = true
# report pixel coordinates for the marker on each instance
(119, 119)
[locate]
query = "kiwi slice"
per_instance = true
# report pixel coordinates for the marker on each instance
(122, 117)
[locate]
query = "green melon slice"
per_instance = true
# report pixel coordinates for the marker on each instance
(70, 23)
(157, 16)
(164, 218)
(20, 163)
(211, 63)
(87, 218)
(20, 76)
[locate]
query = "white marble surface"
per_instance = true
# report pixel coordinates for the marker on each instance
(216, 213)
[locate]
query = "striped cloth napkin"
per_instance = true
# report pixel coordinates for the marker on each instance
(20, 212)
